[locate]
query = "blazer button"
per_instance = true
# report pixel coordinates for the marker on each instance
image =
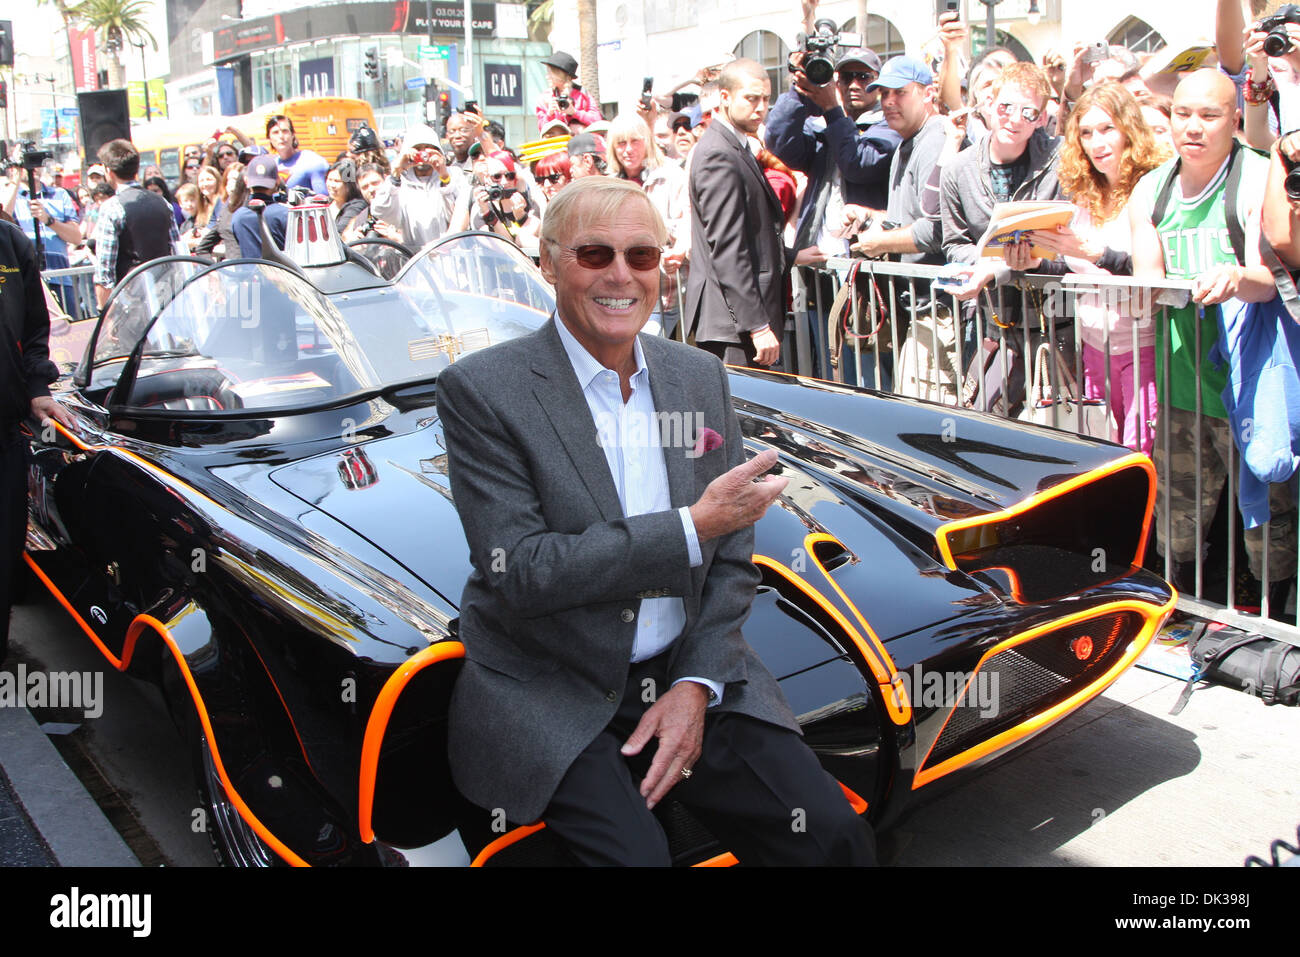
(627, 614)
(611, 696)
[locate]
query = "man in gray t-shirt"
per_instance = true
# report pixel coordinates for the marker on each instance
(907, 98)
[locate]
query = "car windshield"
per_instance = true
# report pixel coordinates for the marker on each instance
(255, 335)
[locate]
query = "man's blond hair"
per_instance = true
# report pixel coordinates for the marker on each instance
(594, 199)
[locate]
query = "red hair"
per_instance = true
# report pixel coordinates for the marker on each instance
(553, 163)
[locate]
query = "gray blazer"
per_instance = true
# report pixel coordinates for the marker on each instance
(548, 614)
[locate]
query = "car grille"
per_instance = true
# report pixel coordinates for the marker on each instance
(1034, 675)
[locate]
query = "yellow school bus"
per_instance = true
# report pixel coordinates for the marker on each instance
(323, 125)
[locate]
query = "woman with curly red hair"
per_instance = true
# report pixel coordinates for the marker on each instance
(1108, 146)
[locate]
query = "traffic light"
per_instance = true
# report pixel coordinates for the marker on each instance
(444, 107)
(372, 63)
(6, 43)
(4, 95)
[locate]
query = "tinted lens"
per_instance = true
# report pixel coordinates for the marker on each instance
(849, 76)
(640, 258)
(552, 177)
(498, 177)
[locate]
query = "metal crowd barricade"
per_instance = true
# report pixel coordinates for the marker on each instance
(942, 346)
(81, 302)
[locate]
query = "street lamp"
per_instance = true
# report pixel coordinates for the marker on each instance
(144, 80)
(990, 23)
(1033, 14)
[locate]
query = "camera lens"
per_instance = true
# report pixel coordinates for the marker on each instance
(819, 70)
(1277, 43)
(1292, 184)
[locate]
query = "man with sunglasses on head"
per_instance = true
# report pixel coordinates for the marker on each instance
(605, 667)
(422, 192)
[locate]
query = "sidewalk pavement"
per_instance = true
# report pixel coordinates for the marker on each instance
(46, 816)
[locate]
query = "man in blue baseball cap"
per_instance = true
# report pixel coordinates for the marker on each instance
(907, 98)
(264, 203)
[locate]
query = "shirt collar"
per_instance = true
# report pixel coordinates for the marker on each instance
(585, 366)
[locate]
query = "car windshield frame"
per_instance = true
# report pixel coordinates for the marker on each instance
(444, 308)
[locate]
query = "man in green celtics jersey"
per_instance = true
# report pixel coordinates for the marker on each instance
(1193, 239)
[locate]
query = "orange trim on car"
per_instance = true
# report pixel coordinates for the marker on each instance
(721, 860)
(145, 463)
(859, 803)
(1155, 617)
(377, 724)
(899, 710)
(504, 841)
(1135, 459)
(898, 688)
(137, 626)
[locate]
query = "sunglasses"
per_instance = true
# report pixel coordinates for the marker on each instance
(550, 178)
(191, 165)
(498, 177)
(849, 76)
(598, 256)
(1029, 114)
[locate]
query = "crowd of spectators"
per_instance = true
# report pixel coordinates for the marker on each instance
(902, 159)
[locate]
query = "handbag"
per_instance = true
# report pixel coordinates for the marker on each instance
(869, 327)
(1071, 410)
(1252, 663)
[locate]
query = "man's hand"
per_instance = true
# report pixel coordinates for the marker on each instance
(873, 243)
(677, 720)
(822, 97)
(407, 157)
(767, 346)
(737, 499)
(45, 409)
(952, 33)
(673, 261)
(977, 278)
(1217, 284)
(810, 256)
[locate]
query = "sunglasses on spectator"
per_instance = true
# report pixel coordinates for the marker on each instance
(550, 178)
(191, 165)
(498, 177)
(598, 256)
(849, 76)
(1029, 114)
(227, 153)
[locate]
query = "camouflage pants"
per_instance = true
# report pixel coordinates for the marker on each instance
(1180, 476)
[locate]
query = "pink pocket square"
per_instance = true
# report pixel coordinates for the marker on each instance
(706, 441)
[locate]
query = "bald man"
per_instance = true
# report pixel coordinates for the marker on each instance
(1197, 217)
(735, 294)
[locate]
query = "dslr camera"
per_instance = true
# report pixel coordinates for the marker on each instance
(818, 51)
(561, 99)
(1277, 43)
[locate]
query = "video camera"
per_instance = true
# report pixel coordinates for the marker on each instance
(818, 51)
(32, 159)
(1277, 43)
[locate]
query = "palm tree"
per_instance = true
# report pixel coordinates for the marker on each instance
(587, 50)
(117, 22)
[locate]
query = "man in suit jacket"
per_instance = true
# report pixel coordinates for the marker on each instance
(735, 295)
(605, 664)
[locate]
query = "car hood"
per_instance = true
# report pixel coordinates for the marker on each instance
(871, 479)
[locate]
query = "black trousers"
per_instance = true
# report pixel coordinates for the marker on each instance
(734, 354)
(756, 786)
(13, 520)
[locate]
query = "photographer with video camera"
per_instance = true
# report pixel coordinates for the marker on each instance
(46, 214)
(567, 101)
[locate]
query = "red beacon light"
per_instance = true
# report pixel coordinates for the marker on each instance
(310, 238)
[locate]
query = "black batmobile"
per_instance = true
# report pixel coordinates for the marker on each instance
(254, 514)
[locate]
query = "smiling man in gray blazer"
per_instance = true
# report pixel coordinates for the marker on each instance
(602, 483)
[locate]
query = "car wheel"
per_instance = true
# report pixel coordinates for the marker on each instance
(234, 842)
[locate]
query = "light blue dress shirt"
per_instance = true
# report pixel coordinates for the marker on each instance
(629, 436)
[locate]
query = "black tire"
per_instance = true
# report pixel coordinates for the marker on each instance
(234, 842)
